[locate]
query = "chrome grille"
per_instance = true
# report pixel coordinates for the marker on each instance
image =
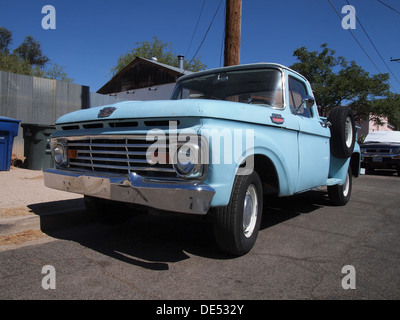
(116, 155)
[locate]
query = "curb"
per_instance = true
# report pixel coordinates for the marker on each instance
(47, 221)
(9, 226)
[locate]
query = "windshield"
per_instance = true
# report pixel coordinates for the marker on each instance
(254, 86)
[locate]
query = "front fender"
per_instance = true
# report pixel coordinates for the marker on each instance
(282, 154)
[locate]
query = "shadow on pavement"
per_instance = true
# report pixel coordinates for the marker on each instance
(383, 172)
(153, 241)
(63, 214)
(277, 210)
(147, 241)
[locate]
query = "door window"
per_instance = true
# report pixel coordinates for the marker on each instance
(297, 92)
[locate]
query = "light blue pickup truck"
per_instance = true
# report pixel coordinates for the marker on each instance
(228, 139)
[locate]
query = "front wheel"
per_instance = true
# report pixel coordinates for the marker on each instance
(340, 194)
(236, 225)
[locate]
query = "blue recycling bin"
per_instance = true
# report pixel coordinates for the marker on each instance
(8, 130)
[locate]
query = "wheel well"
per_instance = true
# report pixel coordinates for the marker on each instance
(267, 173)
(355, 164)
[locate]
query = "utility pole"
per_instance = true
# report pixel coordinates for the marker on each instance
(393, 60)
(232, 32)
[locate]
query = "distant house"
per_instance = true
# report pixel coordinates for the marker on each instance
(371, 126)
(144, 79)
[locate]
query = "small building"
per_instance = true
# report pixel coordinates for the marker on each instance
(371, 126)
(144, 79)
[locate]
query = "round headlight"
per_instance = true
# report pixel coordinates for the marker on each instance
(59, 154)
(188, 160)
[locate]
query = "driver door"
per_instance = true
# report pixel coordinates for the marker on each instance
(313, 138)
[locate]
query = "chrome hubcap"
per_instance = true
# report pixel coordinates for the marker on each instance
(250, 209)
(346, 186)
(348, 131)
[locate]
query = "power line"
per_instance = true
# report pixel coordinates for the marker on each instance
(195, 29)
(340, 17)
(205, 36)
(388, 6)
(222, 43)
(376, 49)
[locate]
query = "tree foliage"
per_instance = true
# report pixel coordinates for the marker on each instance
(31, 51)
(156, 48)
(336, 81)
(388, 107)
(27, 58)
(55, 72)
(5, 40)
(14, 64)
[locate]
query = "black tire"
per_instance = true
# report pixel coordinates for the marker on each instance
(107, 211)
(339, 195)
(343, 132)
(235, 233)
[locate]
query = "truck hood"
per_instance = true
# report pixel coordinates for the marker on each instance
(176, 109)
(382, 137)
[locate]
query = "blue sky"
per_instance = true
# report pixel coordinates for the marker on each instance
(90, 35)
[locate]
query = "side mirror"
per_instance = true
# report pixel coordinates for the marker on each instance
(308, 102)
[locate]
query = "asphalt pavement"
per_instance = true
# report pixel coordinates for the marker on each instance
(307, 249)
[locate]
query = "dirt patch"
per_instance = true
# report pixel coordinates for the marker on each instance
(15, 212)
(21, 237)
(32, 178)
(24, 187)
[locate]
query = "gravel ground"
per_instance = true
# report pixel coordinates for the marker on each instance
(22, 187)
(22, 190)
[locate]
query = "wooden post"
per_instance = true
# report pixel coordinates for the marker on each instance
(232, 32)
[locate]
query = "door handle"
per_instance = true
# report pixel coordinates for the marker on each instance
(325, 123)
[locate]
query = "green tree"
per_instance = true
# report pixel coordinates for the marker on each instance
(28, 59)
(388, 106)
(10, 62)
(156, 48)
(5, 40)
(57, 72)
(31, 50)
(14, 64)
(336, 81)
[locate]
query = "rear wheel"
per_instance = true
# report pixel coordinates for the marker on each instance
(236, 226)
(340, 194)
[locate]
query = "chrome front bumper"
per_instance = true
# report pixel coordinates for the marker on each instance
(179, 197)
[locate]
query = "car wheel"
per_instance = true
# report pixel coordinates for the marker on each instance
(339, 195)
(343, 132)
(236, 226)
